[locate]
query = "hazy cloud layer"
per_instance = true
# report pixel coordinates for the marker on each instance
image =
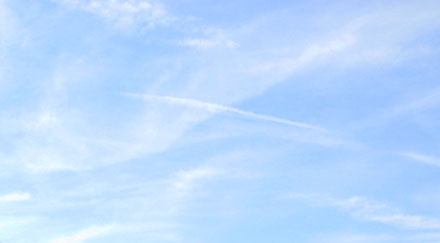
(167, 121)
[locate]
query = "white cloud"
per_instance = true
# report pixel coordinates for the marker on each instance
(215, 108)
(424, 102)
(344, 237)
(86, 234)
(316, 51)
(15, 197)
(155, 230)
(310, 54)
(184, 180)
(209, 43)
(208, 37)
(124, 13)
(228, 78)
(373, 211)
(425, 159)
(183, 187)
(67, 147)
(351, 238)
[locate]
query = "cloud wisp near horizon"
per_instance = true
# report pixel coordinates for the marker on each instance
(170, 121)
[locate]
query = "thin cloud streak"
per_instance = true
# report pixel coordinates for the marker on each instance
(425, 102)
(425, 159)
(15, 197)
(215, 108)
(208, 43)
(86, 234)
(370, 210)
(140, 13)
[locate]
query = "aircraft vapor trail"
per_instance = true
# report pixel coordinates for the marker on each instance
(214, 108)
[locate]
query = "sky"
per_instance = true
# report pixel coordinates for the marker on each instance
(202, 121)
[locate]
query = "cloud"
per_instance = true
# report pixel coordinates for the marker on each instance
(426, 101)
(311, 54)
(153, 230)
(423, 102)
(216, 108)
(209, 43)
(358, 238)
(369, 210)
(128, 13)
(425, 159)
(184, 180)
(15, 197)
(231, 77)
(376, 238)
(182, 188)
(85, 234)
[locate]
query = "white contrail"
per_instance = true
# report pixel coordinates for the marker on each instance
(210, 107)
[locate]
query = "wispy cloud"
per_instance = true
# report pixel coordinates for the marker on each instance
(344, 237)
(425, 101)
(209, 43)
(216, 108)
(156, 230)
(131, 160)
(358, 238)
(310, 54)
(15, 197)
(184, 180)
(425, 159)
(370, 210)
(85, 234)
(142, 13)
(182, 187)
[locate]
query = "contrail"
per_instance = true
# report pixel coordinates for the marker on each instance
(214, 108)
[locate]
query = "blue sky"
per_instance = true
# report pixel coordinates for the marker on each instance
(219, 121)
